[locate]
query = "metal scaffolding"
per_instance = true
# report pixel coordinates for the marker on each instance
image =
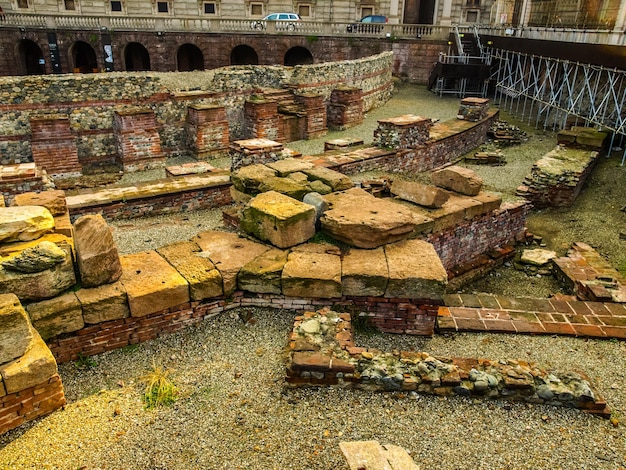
(557, 93)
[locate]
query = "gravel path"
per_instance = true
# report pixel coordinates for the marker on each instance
(234, 413)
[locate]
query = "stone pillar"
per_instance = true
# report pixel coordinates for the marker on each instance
(253, 151)
(446, 14)
(207, 131)
(262, 120)
(346, 108)
(315, 109)
(137, 139)
(54, 145)
(402, 132)
(473, 109)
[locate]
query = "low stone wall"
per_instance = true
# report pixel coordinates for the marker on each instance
(322, 352)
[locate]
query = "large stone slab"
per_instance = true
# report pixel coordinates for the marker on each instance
(415, 271)
(15, 328)
(25, 223)
(53, 200)
(61, 314)
(250, 178)
(359, 219)
(96, 253)
(417, 193)
(287, 186)
(364, 273)
(205, 280)
(41, 285)
(337, 181)
(458, 179)
(35, 367)
(263, 274)
(308, 274)
(151, 283)
(229, 252)
(281, 220)
(103, 303)
(34, 259)
(286, 166)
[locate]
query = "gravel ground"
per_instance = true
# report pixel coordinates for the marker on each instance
(234, 413)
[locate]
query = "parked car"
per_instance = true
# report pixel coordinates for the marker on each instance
(288, 21)
(368, 24)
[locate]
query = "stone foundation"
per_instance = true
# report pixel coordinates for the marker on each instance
(21, 178)
(207, 131)
(54, 145)
(137, 139)
(345, 109)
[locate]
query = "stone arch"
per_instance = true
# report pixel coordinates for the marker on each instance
(298, 56)
(136, 57)
(30, 59)
(83, 57)
(189, 57)
(243, 55)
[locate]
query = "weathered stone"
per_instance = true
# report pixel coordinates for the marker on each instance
(249, 178)
(537, 256)
(319, 187)
(103, 303)
(239, 197)
(298, 177)
(41, 285)
(458, 179)
(286, 186)
(42, 256)
(35, 367)
(359, 219)
(24, 223)
(15, 328)
(279, 219)
(337, 181)
(417, 193)
(263, 273)
(364, 273)
(96, 252)
(415, 271)
(229, 253)
(287, 166)
(52, 317)
(151, 283)
(205, 281)
(53, 200)
(312, 275)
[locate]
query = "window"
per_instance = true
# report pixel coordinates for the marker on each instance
(70, 5)
(365, 11)
(256, 9)
(304, 10)
(116, 5)
(22, 3)
(209, 8)
(162, 7)
(472, 16)
(472, 3)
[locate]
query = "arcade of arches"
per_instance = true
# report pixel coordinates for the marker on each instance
(82, 57)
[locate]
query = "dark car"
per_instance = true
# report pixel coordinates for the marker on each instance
(368, 24)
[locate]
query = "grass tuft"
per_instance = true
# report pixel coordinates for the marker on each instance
(160, 390)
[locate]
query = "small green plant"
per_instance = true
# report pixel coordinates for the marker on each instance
(160, 390)
(84, 362)
(312, 39)
(362, 324)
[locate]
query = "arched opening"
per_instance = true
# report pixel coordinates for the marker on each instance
(244, 55)
(136, 58)
(189, 57)
(83, 58)
(298, 56)
(30, 58)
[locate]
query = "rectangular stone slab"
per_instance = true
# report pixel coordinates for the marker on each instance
(15, 328)
(415, 271)
(61, 314)
(151, 283)
(312, 275)
(104, 303)
(263, 273)
(364, 273)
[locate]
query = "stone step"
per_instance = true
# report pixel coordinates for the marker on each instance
(370, 455)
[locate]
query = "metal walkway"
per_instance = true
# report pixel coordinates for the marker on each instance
(556, 93)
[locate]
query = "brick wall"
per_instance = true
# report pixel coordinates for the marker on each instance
(53, 145)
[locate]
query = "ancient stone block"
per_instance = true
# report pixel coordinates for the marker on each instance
(248, 179)
(23, 223)
(15, 328)
(96, 252)
(473, 109)
(402, 132)
(359, 219)
(229, 253)
(36, 366)
(103, 303)
(151, 283)
(312, 275)
(254, 151)
(332, 178)
(417, 193)
(205, 281)
(364, 273)
(287, 186)
(458, 179)
(53, 200)
(40, 257)
(137, 138)
(415, 271)
(287, 166)
(537, 256)
(279, 219)
(263, 273)
(52, 317)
